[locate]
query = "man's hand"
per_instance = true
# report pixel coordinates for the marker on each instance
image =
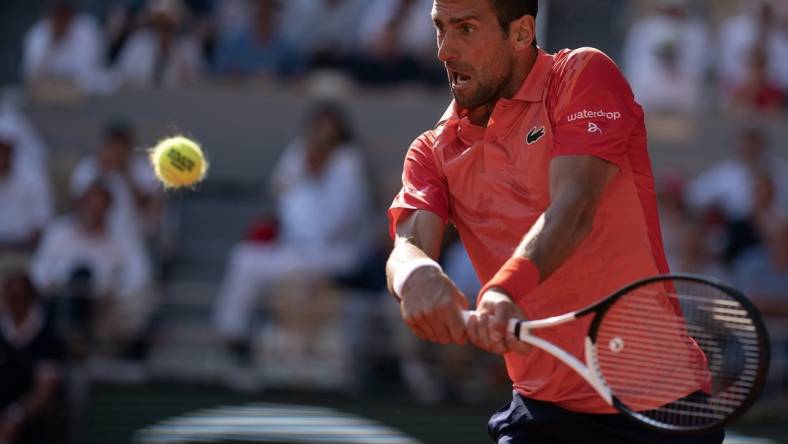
(431, 306)
(487, 326)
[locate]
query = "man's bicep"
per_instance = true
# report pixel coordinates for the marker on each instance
(423, 229)
(580, 177)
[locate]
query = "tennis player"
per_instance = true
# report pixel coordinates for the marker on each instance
(541, 164)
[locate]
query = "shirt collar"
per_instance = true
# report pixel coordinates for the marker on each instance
(532, 89)
(534, 85)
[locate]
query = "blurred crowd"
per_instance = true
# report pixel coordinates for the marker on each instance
(677, 62)
(80, 273)
(176, 43)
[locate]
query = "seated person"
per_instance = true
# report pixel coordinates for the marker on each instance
(66, 46)
(322, 200)
(31, 407)
(81, 262)
(136, 196)
(161, 53)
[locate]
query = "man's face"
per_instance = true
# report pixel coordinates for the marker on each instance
(474, 49)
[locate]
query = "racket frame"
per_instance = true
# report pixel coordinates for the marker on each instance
(591, 372)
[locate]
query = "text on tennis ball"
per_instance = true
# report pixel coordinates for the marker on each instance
(179, 161)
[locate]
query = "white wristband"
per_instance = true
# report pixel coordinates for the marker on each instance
(405, 270)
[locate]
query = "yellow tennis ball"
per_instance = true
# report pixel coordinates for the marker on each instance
(178, 162)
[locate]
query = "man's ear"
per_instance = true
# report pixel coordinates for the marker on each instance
(523, 32)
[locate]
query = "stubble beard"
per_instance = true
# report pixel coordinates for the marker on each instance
(486, 93)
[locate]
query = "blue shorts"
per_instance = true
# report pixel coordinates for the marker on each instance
(527, 421)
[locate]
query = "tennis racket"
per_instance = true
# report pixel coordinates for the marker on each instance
(678, 353)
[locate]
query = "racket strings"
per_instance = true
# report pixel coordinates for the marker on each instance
(679, 353)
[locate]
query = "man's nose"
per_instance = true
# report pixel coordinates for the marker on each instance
(447, 50)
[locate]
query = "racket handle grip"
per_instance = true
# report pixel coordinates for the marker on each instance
(512, 327)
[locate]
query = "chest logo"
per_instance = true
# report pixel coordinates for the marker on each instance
(534, 135)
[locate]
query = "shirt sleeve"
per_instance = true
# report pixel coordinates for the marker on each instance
(423, 185)
(593, 111)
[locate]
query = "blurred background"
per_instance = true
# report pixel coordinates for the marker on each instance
(254, 308)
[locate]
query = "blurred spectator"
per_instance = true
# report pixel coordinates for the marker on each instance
(698, 252)
(757, 91)
(324, 30)
(397, 40)
(730, 188)
(322, 201)
(31, 407)
(120, 23)
(258, 48)
(665, 57)
(760, 28)
(730, 184)
(762, 272)
(136, 197)
(161, 54)
(95, 272)
(65, 46)
(25, 202)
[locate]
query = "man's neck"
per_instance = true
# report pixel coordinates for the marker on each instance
(522, 67)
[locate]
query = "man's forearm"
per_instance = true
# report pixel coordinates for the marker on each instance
(418, 238)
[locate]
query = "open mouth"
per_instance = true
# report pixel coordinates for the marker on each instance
(459, 79)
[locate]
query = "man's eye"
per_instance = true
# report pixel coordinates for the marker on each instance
(466, 29)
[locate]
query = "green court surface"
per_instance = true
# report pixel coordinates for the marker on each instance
(115, 414)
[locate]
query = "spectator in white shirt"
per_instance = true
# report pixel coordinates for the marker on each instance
(730, 184)
(323, 205)
(728, 188)
(161, 54)
(66, 46)
(136, 195)
(763, 24)
(118, 265)
(667, 48)
(25, 201)
(81, 263)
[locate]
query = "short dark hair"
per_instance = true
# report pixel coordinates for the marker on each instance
(508, 11)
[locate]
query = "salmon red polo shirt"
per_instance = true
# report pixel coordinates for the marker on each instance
(493, 184)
